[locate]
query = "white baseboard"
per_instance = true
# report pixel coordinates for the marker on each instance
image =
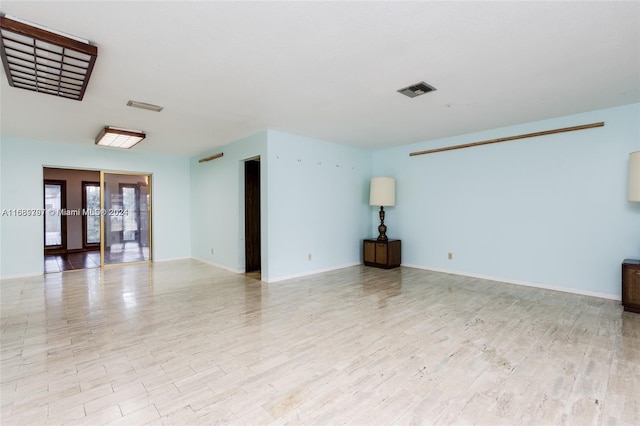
(18, 276)
(282, 277)
(217, 265)
(171, 259)
(307, 273)
(523, 283)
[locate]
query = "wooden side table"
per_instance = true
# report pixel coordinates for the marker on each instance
(631, 285)
(382, 254)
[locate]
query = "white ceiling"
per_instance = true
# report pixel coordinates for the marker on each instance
(329, 70)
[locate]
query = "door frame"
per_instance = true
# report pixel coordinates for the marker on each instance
(85, 184)
(252, 216)
(63, 218)
(104, 215)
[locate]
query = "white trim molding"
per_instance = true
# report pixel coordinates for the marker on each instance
(523, 283)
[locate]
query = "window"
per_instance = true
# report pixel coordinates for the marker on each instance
(54, 220)
(91, 216)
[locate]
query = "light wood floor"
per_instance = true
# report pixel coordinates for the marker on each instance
(185, 343)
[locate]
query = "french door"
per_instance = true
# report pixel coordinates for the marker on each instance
(126, 212)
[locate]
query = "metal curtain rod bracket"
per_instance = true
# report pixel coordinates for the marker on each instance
(510, 138)
(211, 157)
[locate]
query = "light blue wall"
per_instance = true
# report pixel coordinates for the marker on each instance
(21, 187)
(549, 211)
(312, 202)
(217, 204)
(318, 205)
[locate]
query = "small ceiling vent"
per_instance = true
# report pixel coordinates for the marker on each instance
(144, 105)
(417, 89)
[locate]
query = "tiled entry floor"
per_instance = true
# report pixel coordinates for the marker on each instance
(91, 259)
(71, 261)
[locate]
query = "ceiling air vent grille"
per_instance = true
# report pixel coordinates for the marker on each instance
(417, 89)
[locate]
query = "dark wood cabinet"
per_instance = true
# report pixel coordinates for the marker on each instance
(631, 285)
(382, 254)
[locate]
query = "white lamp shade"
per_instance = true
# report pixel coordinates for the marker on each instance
(634, 176)
(383, 191)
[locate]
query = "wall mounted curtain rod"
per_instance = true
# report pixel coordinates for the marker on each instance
(510, 138)
(211, 157)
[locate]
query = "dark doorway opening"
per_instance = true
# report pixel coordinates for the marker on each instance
(252, 215)
(71, 235)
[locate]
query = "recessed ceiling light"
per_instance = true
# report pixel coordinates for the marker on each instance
(417, 89)
(116, 137)
(144, 105)
(43, 60)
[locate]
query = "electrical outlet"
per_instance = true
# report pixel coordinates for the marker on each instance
(309, 257)
(450, 256)
(211, 250)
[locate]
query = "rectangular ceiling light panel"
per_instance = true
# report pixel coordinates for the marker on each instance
(116, 137)
(45, 61)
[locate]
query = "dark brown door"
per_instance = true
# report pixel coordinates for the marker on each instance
(252, 215)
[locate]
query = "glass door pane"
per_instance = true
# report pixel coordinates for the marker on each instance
(91, 216)
(131, 205)
(126, 201)
(54, 202)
